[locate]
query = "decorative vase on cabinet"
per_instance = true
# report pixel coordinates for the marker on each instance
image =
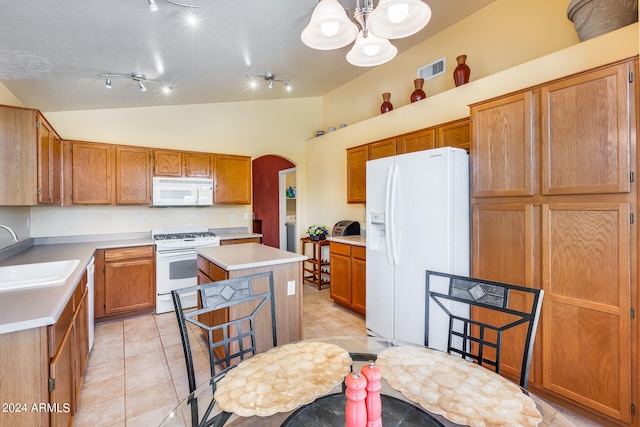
(386, 104)
(418, 93)
(462, 71)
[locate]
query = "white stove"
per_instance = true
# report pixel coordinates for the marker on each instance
(168, 239)
(176, 262)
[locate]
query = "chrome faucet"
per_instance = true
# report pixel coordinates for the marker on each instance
(14, 236)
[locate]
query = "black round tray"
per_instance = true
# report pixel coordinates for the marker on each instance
(329, 411)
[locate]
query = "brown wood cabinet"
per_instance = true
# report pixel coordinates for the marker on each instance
(231, 179)
(91, 173)
(560, 218)
(167, 163)
(45, 366)
(181, 164)
(416, 141)
(455, 134)
(380, 149)
(452, 134)
(348, 276)
(357, 174)
(133, 179)
(124, 282)
(106, 174)
(197, 165)
(288, 307)
(240, 241)
(30, 159)
(49, 163)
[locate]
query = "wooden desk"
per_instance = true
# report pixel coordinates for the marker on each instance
(315, 269)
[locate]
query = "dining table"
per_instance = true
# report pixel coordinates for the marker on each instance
(399, 406)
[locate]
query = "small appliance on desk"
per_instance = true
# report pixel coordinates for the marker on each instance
(346, 228)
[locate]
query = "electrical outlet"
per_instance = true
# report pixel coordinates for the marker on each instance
(245, 216)
(291, 287)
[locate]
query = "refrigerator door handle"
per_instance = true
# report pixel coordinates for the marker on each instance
(392, 215)
(387, 223)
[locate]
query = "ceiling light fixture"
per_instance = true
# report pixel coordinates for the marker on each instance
(153, 6)
(141, 79)
(271, 78)
(330, 28)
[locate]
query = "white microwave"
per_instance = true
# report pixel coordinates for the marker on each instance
(182, 191)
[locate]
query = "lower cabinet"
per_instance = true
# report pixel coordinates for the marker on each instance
(43, 368)
(68, 346)
(242, 240)
(125, 282)
(348, 276)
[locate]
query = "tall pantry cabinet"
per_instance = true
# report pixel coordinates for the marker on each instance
(554, 207)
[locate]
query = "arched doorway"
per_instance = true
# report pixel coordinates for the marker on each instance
(266, 196)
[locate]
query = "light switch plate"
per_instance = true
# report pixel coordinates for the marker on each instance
(291, 287)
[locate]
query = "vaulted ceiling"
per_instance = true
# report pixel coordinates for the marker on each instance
(52, 52)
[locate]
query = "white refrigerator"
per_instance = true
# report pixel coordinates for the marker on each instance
(417, 219)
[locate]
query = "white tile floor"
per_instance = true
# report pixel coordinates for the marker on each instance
(136, 372)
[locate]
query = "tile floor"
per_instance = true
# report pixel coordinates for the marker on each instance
(136, 373)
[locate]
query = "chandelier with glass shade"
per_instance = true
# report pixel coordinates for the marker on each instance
(330, 28)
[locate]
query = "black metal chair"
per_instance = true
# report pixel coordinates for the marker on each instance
(480, 340)
(231, 338)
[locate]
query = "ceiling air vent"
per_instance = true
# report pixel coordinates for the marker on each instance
(433, 70)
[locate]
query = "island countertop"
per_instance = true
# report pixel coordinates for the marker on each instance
(247, 255)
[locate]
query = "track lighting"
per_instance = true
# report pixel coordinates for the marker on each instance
(152, 5)
(271, 78)
(141, 79)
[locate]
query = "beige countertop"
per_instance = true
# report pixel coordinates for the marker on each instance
(349, 240)
(41, 306)
(247, 255)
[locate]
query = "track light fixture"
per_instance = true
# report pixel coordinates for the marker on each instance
(270, 77)
(153, 6)
(141, 79)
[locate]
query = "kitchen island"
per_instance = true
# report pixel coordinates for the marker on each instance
(225, 262)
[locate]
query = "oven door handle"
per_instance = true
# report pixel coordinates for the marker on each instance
(177, 253)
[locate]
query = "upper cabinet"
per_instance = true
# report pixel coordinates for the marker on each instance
(30, 159)
(452, 134)
(133, 177)
(503, 146)
(105, 174)
(167, 163)
(416, 141)
(231, 179)
(197, 165)
(384, 148)
(91, 173)
(357, 174)
(585, 121)
(181, 164)
(49, 188)
(455, 134)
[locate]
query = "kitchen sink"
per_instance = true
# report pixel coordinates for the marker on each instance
(23, 276)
